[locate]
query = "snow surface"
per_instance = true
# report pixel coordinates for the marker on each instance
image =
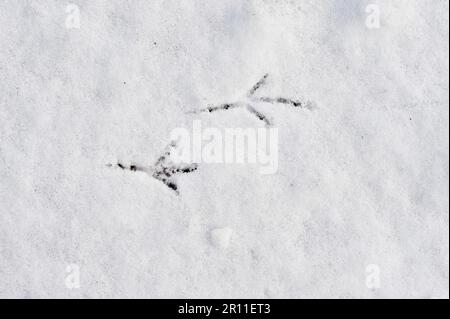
(363, 178)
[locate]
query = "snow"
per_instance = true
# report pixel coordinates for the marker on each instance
(220, 237)
(362, 180)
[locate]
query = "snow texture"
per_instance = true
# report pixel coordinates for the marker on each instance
(358, 208)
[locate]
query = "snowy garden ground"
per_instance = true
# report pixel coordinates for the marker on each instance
(358, 207)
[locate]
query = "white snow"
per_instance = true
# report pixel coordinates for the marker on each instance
(362, 181)
(220, 237)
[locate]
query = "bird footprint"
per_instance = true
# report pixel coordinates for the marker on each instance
(251, 98)
(163, 170)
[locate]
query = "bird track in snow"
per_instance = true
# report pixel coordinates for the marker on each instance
(251, 98)
(163, 170)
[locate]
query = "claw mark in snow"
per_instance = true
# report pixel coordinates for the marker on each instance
(221, 107)
(258, 85)
(259, 115)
